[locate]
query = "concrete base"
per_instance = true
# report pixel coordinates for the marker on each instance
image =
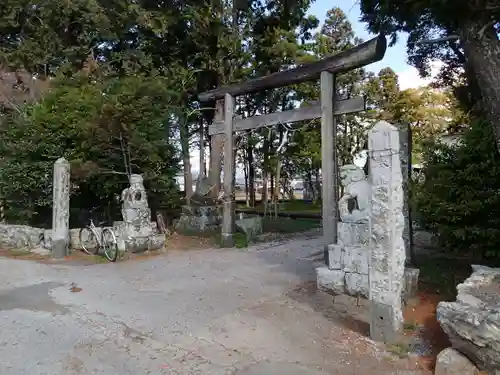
(383, 325)
(141, 244)
(59, 248)
(227, 241)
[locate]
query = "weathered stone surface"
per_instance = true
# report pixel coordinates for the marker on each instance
(355, 259)
(472, 322)
(335, 255)
(411, 283)
(251, 226)
(357, 191)
(330, 281)
(356, 284)
(60, 208)
(141, 244)
(198, 219)
(387, 249)
(136, 233)
(20, 236)
(353, 234)
(451, 362)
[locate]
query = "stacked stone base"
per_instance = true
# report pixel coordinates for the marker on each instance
(347, 269)
(199, 220)
(348, 273)
(40, 240)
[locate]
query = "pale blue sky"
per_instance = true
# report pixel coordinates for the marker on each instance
(395, 57)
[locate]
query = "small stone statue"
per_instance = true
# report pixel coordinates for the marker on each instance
(135, 195)
(356, 187)
(135, 200)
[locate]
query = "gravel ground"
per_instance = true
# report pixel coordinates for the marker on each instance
(212, 311)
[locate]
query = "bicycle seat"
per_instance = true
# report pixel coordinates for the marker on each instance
(101, 223)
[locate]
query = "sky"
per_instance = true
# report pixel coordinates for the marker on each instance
(395, 57)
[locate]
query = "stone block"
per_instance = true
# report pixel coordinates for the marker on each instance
(385, 324)
(451, 362)
(353, 234)
(472, 322)
(59, 248)
(410, 289)
(251, 226)
(357, 284)
(335, 257)
(20, 236)
(330, 281)
(355, 259)
(156, 241)
(198, 219)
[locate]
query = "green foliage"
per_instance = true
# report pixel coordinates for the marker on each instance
(460, 197)
(92, 122)
(472, 21)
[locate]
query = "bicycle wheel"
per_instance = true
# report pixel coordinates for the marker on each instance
(109, 244)
(88, 240)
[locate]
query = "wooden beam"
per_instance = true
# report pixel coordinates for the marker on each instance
(356, 57)
(341, 107)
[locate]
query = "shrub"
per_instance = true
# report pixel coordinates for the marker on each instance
(87, 120)
(459, 198)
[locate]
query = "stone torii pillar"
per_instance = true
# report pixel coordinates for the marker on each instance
(60, 208)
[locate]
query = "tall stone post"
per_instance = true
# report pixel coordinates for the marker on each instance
(60, 208)
(387, 248)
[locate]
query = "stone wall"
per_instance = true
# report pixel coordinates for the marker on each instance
(26, 237)
(20, 236)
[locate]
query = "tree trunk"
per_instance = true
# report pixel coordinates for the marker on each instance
(265, 174)
(216, 153)
(251, 173)
(203, 171)
(482, 53)
(245, 171)
(188, 178)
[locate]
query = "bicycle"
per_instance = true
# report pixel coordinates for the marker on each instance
(106, 241)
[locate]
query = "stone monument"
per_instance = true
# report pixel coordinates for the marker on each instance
(60, 208)
(368, 260)
(387, 247)
(136, 230)
(202, 213)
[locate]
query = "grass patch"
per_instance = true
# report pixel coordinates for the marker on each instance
(410, 326)
(290, 206)
(18, 253)
(400, 350)
(287, 225)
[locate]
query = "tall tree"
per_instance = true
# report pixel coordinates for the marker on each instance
(474, 22)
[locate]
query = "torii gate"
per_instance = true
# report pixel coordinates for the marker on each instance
(326, 69)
